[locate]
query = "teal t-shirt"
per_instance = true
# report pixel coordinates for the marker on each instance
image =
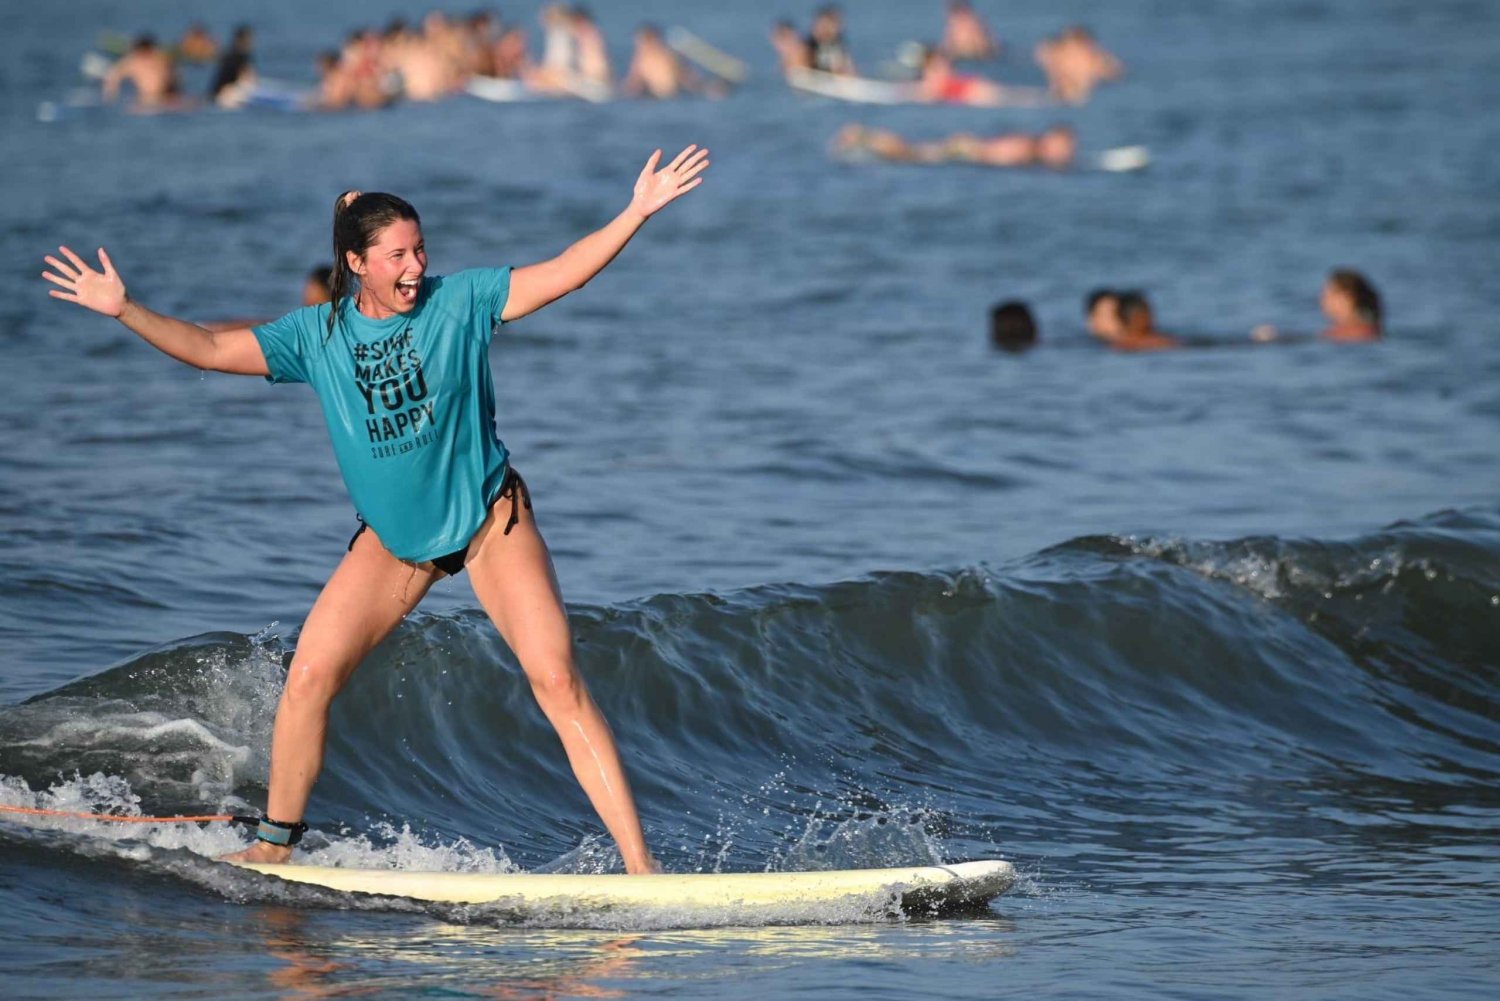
(410, 405)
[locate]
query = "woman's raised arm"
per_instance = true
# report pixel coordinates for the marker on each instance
(536, 285)
(103, 291)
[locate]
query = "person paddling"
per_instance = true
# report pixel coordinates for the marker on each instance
(399, 361)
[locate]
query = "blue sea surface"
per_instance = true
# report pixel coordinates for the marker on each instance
(1206, 642)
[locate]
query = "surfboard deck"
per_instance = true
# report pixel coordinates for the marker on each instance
(857, 90)
(937, 886)
(716, 61)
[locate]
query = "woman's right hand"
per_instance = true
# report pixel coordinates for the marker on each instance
(101, 291)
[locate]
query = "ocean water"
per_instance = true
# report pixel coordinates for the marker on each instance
(1206, 643)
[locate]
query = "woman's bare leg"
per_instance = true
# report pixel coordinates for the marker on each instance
(513, 579)
(367, 596)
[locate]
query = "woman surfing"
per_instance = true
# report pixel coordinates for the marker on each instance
(399, 362)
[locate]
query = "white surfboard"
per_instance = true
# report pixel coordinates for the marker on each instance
(933, 886)
(489, 88)
(864, 90)
(858, 90)
(1123, 158)
(716, 61)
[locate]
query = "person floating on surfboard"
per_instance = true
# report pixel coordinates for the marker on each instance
(399, 361)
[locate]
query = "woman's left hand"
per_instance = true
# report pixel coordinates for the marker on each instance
(655, 188)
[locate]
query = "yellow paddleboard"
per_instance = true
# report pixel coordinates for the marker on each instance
(933, 886)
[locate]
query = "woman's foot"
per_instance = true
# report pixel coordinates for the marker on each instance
(260, 851)
(647, 866)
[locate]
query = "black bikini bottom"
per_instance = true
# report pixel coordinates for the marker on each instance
(512, 488)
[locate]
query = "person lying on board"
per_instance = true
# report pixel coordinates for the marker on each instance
(149, 69)
(1055, 148)
(399, 361)
(965, 35)
(1075, 64)
(939, 83)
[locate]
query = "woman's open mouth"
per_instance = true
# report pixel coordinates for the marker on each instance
(406, 291)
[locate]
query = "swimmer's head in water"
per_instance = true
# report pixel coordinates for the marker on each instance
(1012, 327)
(1102, 311)
(317, 288)
(1135, 314)
(1349, 296)
(1057, 146)
(144, 43)
(377, 243)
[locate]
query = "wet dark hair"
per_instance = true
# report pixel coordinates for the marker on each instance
(1012, 327)
(144, 43)
(1358, 288)
(1132, 303)
(1092, 300)
(357, 222)
(322, 274)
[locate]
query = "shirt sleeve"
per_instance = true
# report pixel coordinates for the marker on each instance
(491, 290)
(284, 343)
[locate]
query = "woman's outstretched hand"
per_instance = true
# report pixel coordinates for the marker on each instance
(655, 188)
(101, 291)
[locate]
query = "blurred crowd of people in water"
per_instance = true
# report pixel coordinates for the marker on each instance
(1072, 61)
(426, 60)
(440, 54)
(1122, 319)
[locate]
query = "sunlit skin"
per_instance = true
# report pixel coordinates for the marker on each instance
(372, 591)
(965, 35)
(1344, 321)
(940, 84)
(791, 48)
(1054, 148)
(1075, 64)
(1104, 319)
(149, 69)
(390, 272)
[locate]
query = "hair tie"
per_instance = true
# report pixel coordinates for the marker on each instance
(349, 197)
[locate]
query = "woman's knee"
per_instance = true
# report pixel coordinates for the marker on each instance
(556, 683)
(312, 683)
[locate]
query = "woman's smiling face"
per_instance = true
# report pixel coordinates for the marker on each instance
(390, 272)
